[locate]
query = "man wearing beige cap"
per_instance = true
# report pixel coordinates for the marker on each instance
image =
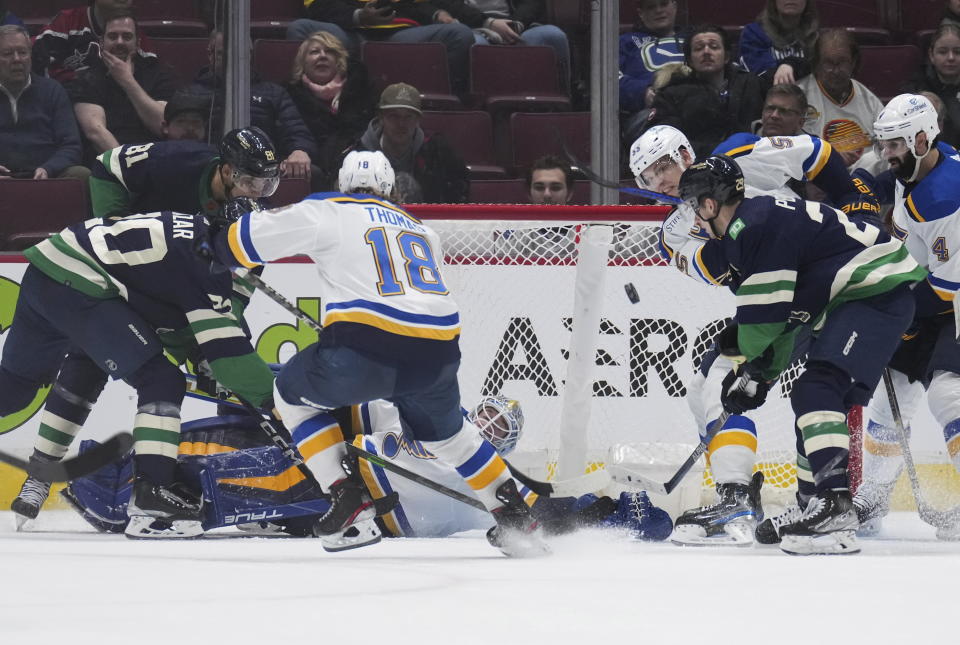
(428, 170)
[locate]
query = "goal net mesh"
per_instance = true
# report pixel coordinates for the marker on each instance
(513, 271)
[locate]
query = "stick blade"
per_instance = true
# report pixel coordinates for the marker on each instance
(623, 475)
(85, 463)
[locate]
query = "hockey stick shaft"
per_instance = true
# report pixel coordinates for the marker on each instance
(625, 475)
(278, 298)
(609, 183)
(927, 513)
(83, 464)
(412, 476)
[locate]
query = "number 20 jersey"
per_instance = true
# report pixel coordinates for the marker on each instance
(381, 287)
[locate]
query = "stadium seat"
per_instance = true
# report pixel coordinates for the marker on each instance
(290, 191)
(722, 13)
(499, 191)
(187, 56)
(170, 18)
(864, 18)
(38, 13)
(423, 65)
(471, 135)
(34, 209)
(532, 84)
(884, 69)
(534, 135)
(920, 15)
(273, 59)
(269, 18)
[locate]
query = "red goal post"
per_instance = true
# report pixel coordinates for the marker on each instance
(546, 321)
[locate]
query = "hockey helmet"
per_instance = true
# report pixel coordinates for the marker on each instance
(905, 116)
(233, 209)
(251, 154)
(717, 177)
(500, 421)
(365, 171)
(654, 144)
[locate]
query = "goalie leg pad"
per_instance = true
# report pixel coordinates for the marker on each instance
(640, 518)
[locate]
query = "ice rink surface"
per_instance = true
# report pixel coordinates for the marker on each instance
(63, 584)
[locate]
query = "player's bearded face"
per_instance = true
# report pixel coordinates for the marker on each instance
(897, 154)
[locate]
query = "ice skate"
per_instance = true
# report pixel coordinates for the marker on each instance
(828, 527)
(872, 503)
(350, 505)
(516, 533)
(26, 505)
(158, 512)
(729, 522)
(769, 530)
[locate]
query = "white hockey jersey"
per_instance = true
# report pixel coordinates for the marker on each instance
(926, 216)
(848, 126)
(380, 279)
(768, 163)
(421, 512)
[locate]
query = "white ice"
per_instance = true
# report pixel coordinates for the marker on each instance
(63, 584)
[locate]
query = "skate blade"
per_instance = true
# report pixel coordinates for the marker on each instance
(21, 522)
(836, 543)
(738, 534)
(353, 537)
(144, 527)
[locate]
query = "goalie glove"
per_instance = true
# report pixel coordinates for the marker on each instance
(752, 394)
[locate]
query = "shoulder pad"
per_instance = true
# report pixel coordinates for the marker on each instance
(937, 195)
(739, 144)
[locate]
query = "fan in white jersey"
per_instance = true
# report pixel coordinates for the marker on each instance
(926, 216)
(770, 165)
(391, 331)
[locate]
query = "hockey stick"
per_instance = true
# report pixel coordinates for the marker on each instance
(412, 476)
(83, 464)
(585, 170)
(278, 298)
(625, 475)
(939, 519)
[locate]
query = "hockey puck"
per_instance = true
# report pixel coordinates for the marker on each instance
(631, 292)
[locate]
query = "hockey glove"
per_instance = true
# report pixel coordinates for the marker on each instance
(727, 343)
(737, 400)
(208, 383)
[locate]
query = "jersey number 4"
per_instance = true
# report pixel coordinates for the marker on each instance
(422, 272)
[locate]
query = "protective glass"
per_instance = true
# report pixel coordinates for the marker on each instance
(887, 148)
(654, 171)
(256, 186)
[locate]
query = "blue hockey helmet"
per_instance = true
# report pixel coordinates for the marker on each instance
(717, 177)
(500, 421)
(254, 159)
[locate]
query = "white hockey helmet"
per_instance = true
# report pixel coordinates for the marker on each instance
(500, 421)
(657, 142)
(365, 171)
(905, 116)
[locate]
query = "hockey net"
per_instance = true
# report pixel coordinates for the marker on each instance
(515, 271)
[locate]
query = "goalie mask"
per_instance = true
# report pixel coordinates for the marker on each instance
(367, 172)
(904, 117)
(500, 421)
(653, 145)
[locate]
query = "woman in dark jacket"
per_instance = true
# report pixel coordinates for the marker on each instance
(336, 99)
(715, 100)
(780, 44)
(941, 75)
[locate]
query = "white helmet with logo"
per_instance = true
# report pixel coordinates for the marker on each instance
(657, 142)
(367, 172)
(905, 116)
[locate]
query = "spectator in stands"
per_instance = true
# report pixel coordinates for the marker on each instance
(941, 76)
(842, 110)
(185, 116)
(38, 133)
(654, 46)
(550, 181)
(951, 13)
(353, 21)
(784, 111)
(716, 100)
(7, 17)
(72, 40)
(271, 109)
(779, 45)
(520, 22)
(336, 98)
(428, 170)
(119, 98)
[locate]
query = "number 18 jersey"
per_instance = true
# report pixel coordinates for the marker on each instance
(381, 286)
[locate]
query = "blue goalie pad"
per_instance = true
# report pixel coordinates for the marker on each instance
(101, 498)
(637, 514)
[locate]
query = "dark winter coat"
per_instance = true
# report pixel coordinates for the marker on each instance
(526, 11)
(928, 81)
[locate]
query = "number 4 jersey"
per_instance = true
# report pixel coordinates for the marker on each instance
(380, 281)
